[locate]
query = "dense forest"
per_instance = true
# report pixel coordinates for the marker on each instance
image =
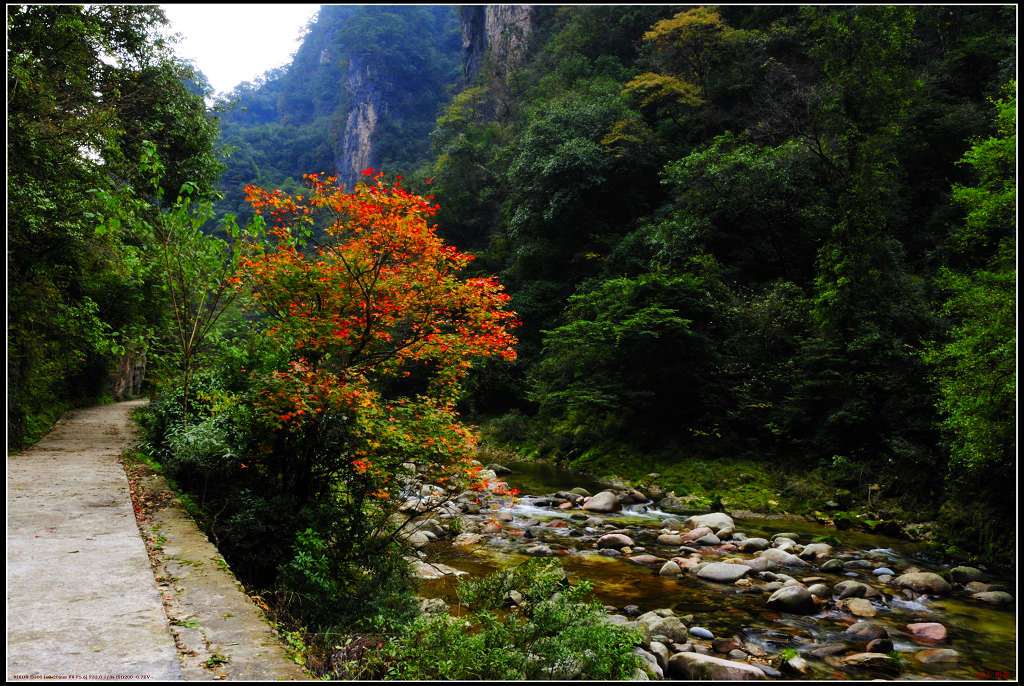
(768, 253)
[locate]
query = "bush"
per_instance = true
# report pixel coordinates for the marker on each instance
(557, 631)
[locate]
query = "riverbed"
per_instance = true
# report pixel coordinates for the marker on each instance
(980, 640)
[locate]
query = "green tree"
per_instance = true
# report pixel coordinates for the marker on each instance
(976, 367)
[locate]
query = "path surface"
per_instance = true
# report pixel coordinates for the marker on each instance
(82, 599)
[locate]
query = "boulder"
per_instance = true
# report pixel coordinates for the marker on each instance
(791, 535)
(670, 569)
(435, 570)
(417, 539)
(605, 501)
(865, 632)
(816, 551)
(539, 551)
(994, 597)
(782, 557)
(670, 539)
(880, 645)
(615, 541)
(786, 544)
(695, 666)
(752, 545)
(669, 627)
(467, 539)
(963, 575)
(883, 571)
(708, 540)
(759, 564)
(927, 633)
(832, 565)
(819, 590)
(795, 599)
(701, 632)
(723, 572)
(860, 607)
(694, 534)
(672, 505)
(924, 582)
(850, 589)
(714, 520)
(649, 662)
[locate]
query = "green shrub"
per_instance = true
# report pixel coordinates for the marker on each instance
(557, 631)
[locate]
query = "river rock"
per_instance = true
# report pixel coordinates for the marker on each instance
(782, 557)
(867, 660)
(786, 544)
(865, 632)
(714, 520)
(694, 534)
(670, 569)
(791, 535)
(722, 572)
(672, 524)
(858, 564)
(932, 656)
(539, 551)
(670, 539)
(695, 666)
(768, 670)
(649, 662)
(860, 607)
(661, 652)
(701, 632)
(879, 645)
(432, 570)
(795, 599)
(672, 505)
(708, 540)
(669, 627)
(753, 545)
(819, 590)
(417, 539)
(832, 565)
(963, 575)
(605, 501)
(610, 552)
(759, 564)
(796, 664)
(647, 560)
(615, 541)
(829, 649)
(927, 633)
(924, 582)
(883, 571)
(433, 606)
(467, 539)
(994, 597)
(816, 551)
(851, 589)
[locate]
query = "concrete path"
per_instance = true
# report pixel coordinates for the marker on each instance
(81, 598)
(84, 597)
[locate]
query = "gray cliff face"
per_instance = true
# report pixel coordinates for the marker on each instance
(356, 150)
(494, 39)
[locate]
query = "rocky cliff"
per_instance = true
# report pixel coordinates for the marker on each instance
(494, 39)
(355, 152)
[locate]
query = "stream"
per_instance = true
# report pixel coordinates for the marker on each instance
(813, 643)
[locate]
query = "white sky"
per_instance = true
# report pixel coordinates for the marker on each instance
(235, 43)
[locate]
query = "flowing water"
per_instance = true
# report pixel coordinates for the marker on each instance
(984, 637)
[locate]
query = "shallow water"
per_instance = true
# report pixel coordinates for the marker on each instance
(984, 637)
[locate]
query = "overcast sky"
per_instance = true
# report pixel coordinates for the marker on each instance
(235, 43)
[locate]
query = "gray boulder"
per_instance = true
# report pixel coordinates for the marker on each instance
(714, 520)
(605, 501)
(924, 582)
(752, 545)
(994, 597)
(783, 558)
(963, 575)
(698, 667)
(723, 572)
